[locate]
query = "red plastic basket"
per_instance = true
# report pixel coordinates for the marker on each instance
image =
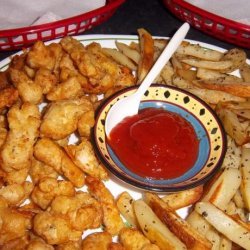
(13, 39)
(217, 26)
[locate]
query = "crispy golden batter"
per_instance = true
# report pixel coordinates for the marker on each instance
(53, 155)
(41, 56)
(17, 150)
(48, 188)
(54, 229)
(101, 71)
(111, 216)
(28, 90)
(83, 156)
(8, 97)
(97, 241)
(16, 176)
(39, 170)
(45, 79)
(70, 245)
(82, 210)
(61, 117)
(14, 224)
(16, 194)
(86, 123)
(133, 239)
(69, 89)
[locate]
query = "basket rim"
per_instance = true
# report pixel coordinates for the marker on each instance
(110, 5)
(210, 15)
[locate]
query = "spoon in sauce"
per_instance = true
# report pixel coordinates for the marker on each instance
(129, 105)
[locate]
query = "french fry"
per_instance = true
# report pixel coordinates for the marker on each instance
(238, 199)
(245, 170)
(154, 229)
(119, 57)
(198, 51)
(241, 89)
(180, 82)
(224, 224)
(232, 158)
(167, 73)
(186, 233)
(133, 54)
(147, 54)
(237, 56)
(124, 204)
(186, 74)
(222, 66)
(208, 74)
(225, 243)
(245, 72)
(233, 126)
(183, 198)
(224, 188)
(214, 96)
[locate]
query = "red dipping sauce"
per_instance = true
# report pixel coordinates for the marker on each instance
(155, 143)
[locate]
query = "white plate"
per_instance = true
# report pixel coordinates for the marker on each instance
(115, 185)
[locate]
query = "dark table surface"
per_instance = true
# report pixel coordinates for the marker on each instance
(151, 15)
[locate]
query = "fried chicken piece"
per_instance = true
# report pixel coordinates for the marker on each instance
(61, 117)
(86, 123)
(16, 176)
(17, 151)
(97, 241)
(45, 79)
(133, 239)
(84, 157)
(111, 217)
(54, 229)
(8, 97)
(102, 72)
(53, 155)
(48, 188)
(70, 245)
(41, 56)
(4, 79)
(17, 244)
(39, 170)
(83, 211)
(39, 244)
(14, 224)
(16, 194)
(28, 90)
(69, 89)
(18, 61)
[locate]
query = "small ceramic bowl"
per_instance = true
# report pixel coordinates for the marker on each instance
(212, 146)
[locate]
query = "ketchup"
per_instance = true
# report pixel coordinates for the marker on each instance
(155, 144)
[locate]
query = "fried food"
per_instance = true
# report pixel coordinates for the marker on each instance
(53, 155)
(61, 118)
(69, 89)
(111, 217)
(17, 151)
(28, 90)
(39, 170)
(16, 194)
(102, 73)
(83, 155)
(48, 188)
(185, 232)
(97, 241)
(133, 239)
(41, 56)
(83, 211)
(14, 224)
(54, 229)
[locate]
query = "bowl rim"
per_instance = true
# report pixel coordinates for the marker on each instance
(147, 186)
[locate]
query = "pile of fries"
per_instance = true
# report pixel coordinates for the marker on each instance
(53, 189)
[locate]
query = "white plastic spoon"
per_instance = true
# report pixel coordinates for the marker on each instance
(129, 106)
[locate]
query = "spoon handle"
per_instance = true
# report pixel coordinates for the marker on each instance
(163, 58)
